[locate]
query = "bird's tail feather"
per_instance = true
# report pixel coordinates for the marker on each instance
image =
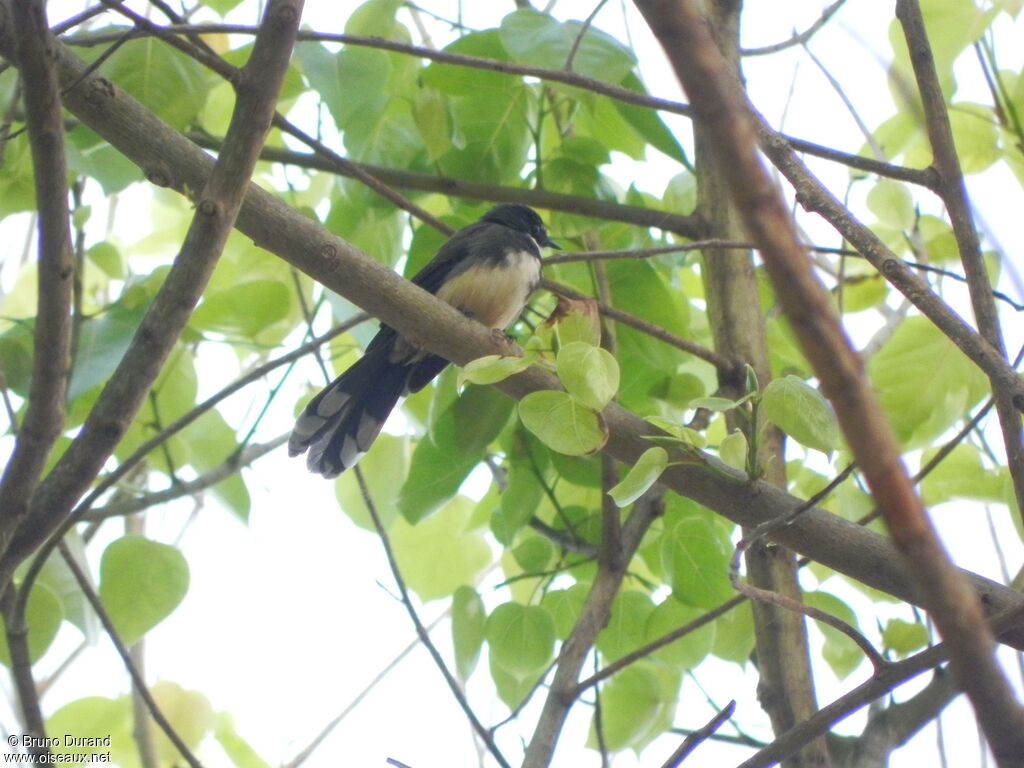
(340, 424)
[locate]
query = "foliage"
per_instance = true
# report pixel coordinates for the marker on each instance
(493, 507)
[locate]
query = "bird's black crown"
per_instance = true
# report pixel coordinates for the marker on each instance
(522, 219)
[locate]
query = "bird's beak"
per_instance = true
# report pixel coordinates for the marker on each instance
(551, 243)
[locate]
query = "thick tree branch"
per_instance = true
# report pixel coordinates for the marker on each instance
(954, 607)
(216, 210)
(785, 686)
(893, 726)
(16, 635)
(434, 325)
(953, 192)
(44, 416)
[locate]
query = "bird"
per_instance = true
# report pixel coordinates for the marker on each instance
(487, 271)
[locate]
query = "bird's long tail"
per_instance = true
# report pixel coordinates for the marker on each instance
(340, 424)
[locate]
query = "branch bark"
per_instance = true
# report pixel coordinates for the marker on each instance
(170, 158)
(593, 618)
(785, 681)
(216, 211)
(955, 609)
(953, 191)
(44, 415)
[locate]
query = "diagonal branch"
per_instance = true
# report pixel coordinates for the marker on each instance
(44, 416)
(953, 192)
(216, 211)
(593, 618)
(434, 325)
(947, 595)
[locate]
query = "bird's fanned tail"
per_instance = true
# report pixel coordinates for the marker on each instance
(340, 424)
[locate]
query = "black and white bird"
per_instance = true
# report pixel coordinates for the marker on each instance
(487, 271)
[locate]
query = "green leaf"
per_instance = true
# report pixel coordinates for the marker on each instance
(102, 343)
(693, 555)
(430, 113)
(630, 704)
(519, 501)
(141, 583)
(239, 751)
(562, 423)
(468, 81)
(441, 553)
(380, 467)
(589, 373)
(690, 649)
(534, 554)
(89, 155)
(538, 39)
(961, 475)
(469, 618)
(925, 383)
(799, 410)
(189, 713)
(580, 324)
(841, 653)
(892, 203)
(244, 309)
(975, 131)
(444, 458)
(166, 81)
(713, 403)
(904, 637)
(565, 607)
(43, 617)
(491, 369)
(734, 635)
(641, 476)
(521, 638)
(733, 449)
(648, 123)
(96, 716)
(625, 630)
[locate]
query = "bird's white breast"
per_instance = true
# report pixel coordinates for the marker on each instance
(494, 293)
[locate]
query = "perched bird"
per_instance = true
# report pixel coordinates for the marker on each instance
(487, 271)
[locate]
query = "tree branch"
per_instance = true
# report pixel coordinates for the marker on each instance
(953, 605)
(953, 192)
(427, 322)
(216, 211)
(421, 631)
(593, 618)
(122, 650)
(687, 226)
(923, 178)
(44, 416)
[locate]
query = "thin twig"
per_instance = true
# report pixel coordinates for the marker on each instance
(798, 39)
(421, 631)
(696, 738)
(720, 362)
(137, 681)
(326, 731)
